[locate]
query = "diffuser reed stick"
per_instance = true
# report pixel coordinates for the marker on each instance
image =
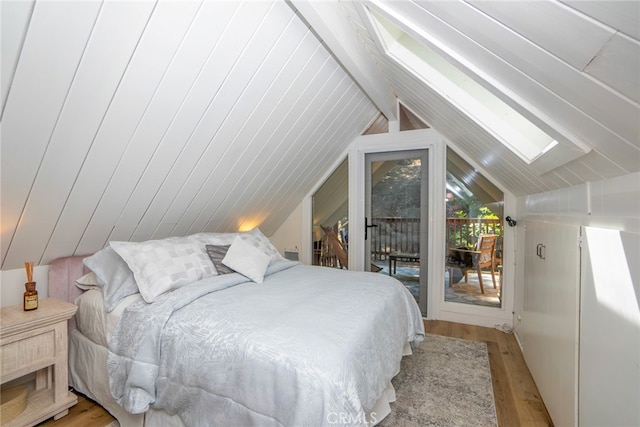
(28, 266)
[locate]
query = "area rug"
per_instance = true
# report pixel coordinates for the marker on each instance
(446, 382)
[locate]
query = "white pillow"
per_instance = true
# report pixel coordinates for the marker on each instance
(88, 281)
(114, 276)
(260, 241)
(160, 266)
(207, 238)
(247, 260)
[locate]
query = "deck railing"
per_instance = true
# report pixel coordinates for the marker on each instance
(403, 234)
(394, 235)
(465, 231)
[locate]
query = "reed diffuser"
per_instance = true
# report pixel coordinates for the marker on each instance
(31, 295)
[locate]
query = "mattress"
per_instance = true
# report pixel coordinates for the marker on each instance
(94, 321)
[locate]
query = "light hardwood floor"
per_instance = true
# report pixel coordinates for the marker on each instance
(518, 402)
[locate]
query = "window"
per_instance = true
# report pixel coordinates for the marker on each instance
(474, 209)
(507, 125)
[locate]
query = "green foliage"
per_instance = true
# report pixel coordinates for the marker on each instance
(486, 213)
(397, 194)
(481, 220)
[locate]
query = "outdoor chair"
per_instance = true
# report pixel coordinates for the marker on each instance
(484, 256)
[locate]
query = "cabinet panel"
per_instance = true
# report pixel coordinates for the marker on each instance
(610, 329)
(550, 321)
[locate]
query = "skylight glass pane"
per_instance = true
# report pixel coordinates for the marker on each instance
(503, 122)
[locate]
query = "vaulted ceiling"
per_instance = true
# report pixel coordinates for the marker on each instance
(132, 120)
(571, 68)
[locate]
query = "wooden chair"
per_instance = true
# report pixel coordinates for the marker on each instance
(484, 257)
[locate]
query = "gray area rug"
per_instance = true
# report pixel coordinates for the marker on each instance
(446, 382)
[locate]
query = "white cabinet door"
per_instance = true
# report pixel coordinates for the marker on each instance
(550, 321)
(610, 329)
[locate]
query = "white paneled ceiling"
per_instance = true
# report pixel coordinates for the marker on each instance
(540, 57)
(571, 68)
(133, 120)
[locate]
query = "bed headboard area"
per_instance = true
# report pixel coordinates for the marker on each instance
(62, 275)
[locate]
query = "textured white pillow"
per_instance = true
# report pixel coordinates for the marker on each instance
(163, 265)
(206, 238)
(257, 239)
(247, 260)
(88, 281)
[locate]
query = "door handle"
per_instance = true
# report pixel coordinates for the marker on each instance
(367, 226)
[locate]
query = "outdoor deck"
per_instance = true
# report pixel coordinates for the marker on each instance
(461, 292)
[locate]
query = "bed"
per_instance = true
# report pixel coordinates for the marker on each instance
(219, 329)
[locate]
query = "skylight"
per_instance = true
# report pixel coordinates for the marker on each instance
(506, 124)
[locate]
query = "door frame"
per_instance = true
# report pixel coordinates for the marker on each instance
(426, 139)
(425, 199)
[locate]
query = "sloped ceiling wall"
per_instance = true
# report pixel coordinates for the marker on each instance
(126, 120)
(571, 67)
(574, 66)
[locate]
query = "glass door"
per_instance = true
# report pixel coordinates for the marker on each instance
(396, 218)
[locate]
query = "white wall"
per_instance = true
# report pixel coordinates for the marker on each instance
(288, 237)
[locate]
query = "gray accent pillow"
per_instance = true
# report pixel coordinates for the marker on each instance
(115, 278)
(217, 253)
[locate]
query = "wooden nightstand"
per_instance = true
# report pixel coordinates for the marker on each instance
(36, 341)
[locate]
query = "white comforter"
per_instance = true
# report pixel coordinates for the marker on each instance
(310, 346)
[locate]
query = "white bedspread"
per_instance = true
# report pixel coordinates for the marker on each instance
(310, 346)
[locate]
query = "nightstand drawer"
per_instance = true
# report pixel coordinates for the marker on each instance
(27, 353)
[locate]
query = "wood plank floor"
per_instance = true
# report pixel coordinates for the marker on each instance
(518, 402)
